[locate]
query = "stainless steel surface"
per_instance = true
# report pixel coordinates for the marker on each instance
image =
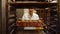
(30, 32)
(3, 16)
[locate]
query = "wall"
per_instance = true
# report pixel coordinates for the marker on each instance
(19, 13)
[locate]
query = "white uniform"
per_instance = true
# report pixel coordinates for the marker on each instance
(27, 17)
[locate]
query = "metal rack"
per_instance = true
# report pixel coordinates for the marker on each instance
(13, 5)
